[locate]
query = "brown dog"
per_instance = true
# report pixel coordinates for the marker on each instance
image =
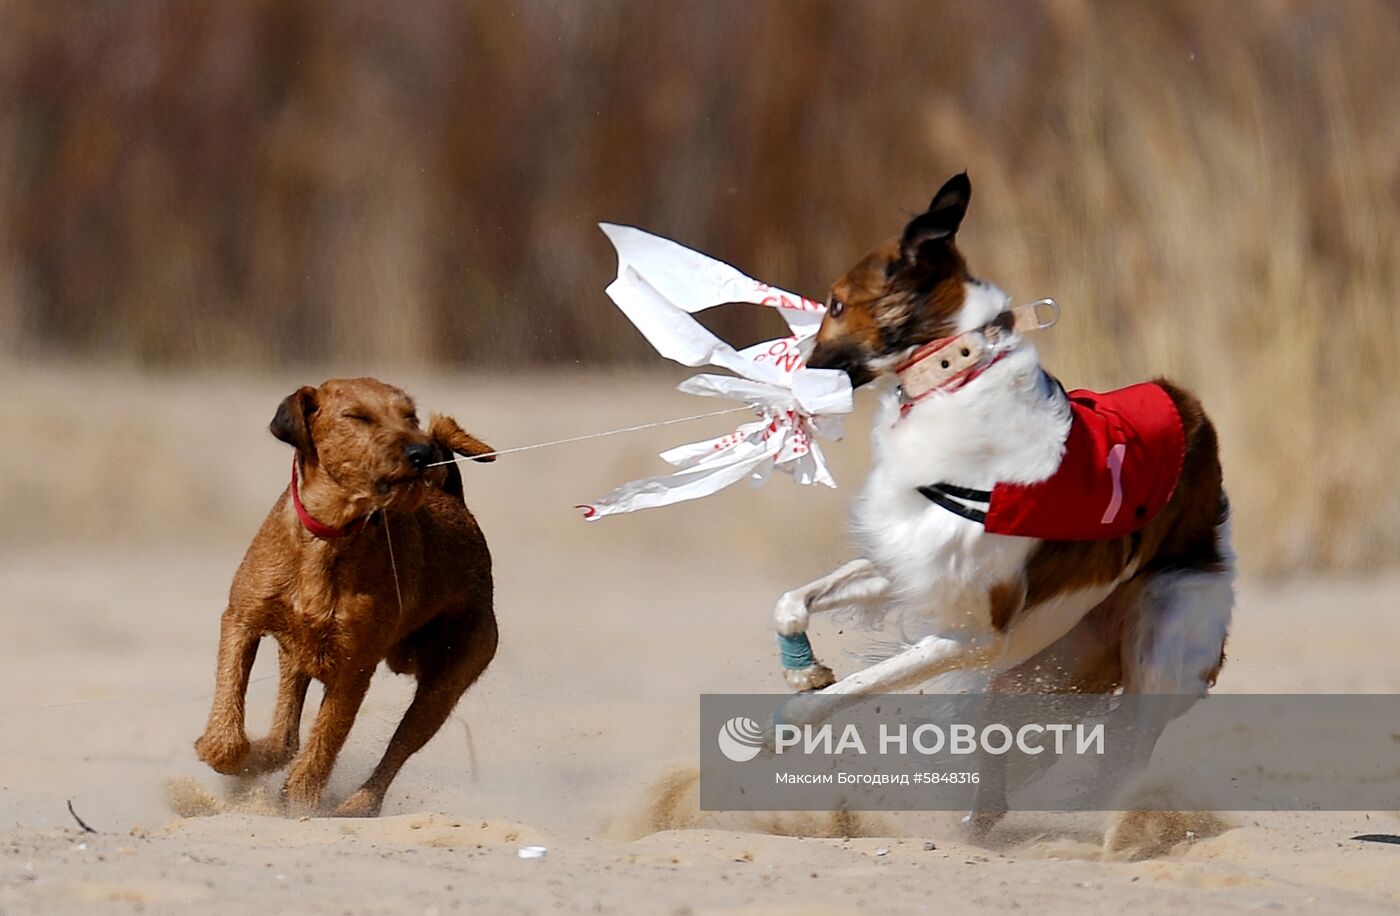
(320, 578)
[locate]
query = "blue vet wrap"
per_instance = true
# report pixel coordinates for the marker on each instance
(796, 651)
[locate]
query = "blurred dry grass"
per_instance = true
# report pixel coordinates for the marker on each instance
(1211, 189)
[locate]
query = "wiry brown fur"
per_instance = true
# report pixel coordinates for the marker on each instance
(333, 605)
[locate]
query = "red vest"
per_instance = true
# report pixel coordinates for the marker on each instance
(1121, 464)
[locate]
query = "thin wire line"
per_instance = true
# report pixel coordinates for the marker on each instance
(205, 696)
(389, 538)
(611, 432)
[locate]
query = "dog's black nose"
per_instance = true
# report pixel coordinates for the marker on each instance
(419, 455)
(843, 357)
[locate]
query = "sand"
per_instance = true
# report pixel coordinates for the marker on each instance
(127, 501)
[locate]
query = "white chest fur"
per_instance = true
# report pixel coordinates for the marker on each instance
(1007, 425)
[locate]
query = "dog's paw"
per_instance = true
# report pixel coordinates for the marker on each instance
(977, 824)
(363, 803)
(813, 677)
(301, 794)
(790, 614)
(268, 754)
(225, 753)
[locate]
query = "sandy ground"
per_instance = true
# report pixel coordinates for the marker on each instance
(127, 502)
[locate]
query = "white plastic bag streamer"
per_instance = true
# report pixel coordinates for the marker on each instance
(660, 286)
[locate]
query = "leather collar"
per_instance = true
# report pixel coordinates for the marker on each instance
(318, 528)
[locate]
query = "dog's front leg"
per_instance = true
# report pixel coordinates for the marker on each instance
(852, 585)
(224, 744)
(926, 659)
(311, 769)
(276, 749)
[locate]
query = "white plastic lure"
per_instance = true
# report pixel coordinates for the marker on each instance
(660, 286)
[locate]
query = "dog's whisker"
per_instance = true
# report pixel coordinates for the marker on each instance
(393, 566)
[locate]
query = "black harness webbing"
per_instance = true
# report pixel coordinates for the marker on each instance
(948, 496)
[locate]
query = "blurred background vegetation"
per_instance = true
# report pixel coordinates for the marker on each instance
(1211, 189)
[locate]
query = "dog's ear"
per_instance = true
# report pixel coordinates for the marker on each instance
(292, 422)
(940, 223)
(451, 437)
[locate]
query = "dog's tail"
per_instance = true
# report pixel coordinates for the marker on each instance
(449, 437)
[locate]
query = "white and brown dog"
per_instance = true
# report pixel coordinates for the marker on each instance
(1055, 541)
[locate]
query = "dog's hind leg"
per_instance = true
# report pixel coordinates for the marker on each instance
(1173, 647)
(443, 676)
(1083, 661)
(280, 745)
(856, 586)
(224, 744)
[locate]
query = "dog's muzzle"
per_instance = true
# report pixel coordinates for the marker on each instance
(846, 357)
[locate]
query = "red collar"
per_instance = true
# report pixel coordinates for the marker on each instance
(320, 529)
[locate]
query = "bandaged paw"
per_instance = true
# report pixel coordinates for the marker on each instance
(813, 677)
(801, 669)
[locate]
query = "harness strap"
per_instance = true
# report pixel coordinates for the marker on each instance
(981, 496)
(946, 496)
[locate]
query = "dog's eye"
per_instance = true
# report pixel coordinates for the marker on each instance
(357, 417)
(837, 307)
